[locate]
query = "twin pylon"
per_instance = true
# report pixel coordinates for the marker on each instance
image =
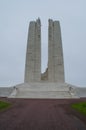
(55, 69)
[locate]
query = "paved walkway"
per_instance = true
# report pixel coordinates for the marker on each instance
(41, 114)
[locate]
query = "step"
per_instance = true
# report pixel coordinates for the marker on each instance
(41, 94)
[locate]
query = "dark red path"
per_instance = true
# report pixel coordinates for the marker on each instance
(37, 114)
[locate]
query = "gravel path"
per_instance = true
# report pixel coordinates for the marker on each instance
(41, 114)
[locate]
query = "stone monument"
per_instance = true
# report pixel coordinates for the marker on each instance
(55, 69)
(51, 84)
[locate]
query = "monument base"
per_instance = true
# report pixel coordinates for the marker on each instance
(43, 90)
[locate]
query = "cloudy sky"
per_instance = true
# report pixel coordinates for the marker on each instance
(15, 16)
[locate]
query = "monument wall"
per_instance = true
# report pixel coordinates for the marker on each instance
(55, 53)
(33, 54)
(55, 69)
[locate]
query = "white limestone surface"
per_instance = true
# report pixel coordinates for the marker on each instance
(43, 91)
(33, 53)
(55, 53)
(5, 91)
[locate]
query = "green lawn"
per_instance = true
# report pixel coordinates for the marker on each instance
(81, 107)
(4, 105)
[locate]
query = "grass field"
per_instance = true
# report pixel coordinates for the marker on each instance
(81, 107)
(4, 105)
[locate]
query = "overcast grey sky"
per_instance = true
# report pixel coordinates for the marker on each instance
(15, 16)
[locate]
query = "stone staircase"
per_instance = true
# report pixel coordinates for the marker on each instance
(43, 91)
